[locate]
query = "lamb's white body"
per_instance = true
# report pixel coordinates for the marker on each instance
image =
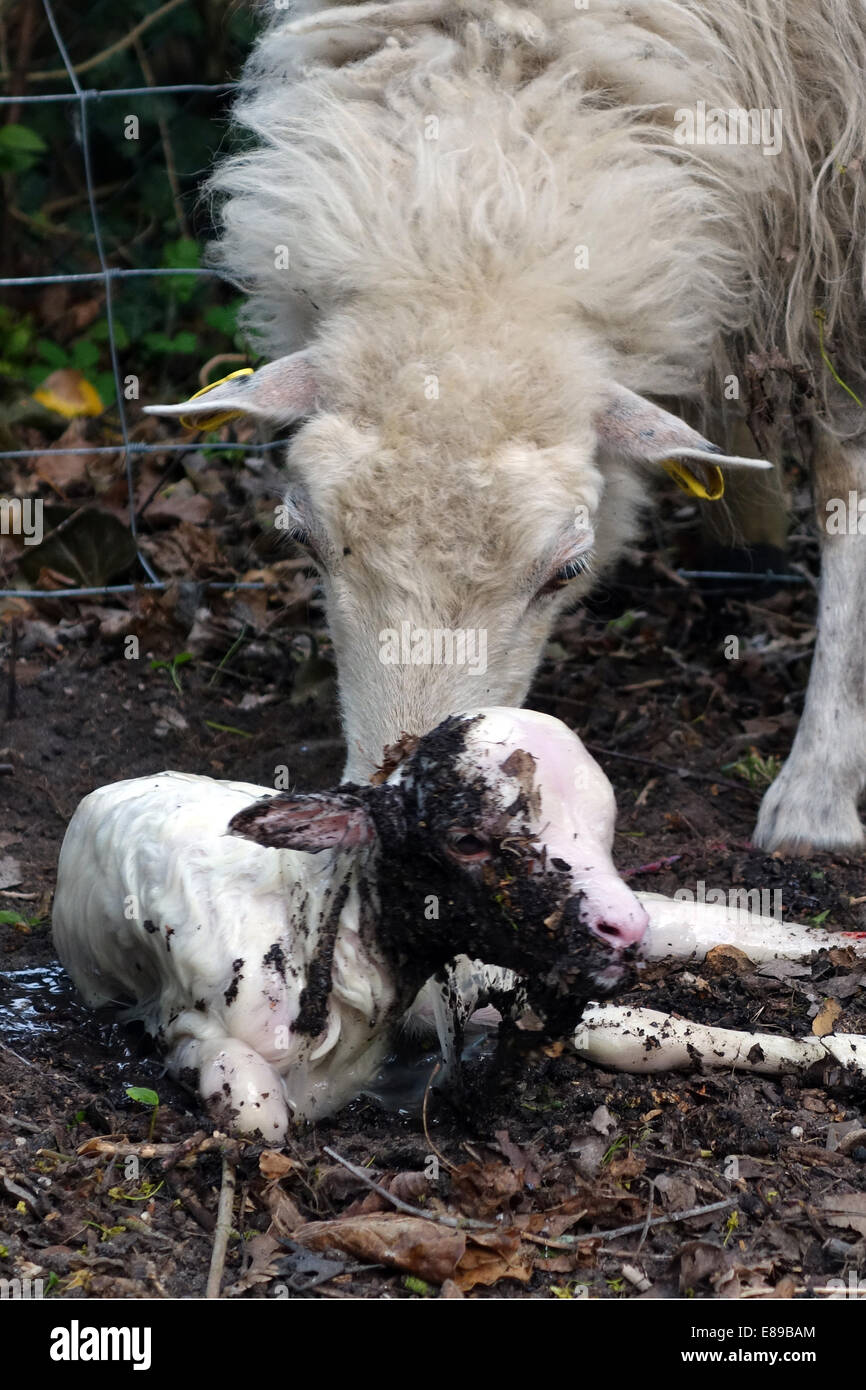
(483, 234)
(262, 969)
(155, 899)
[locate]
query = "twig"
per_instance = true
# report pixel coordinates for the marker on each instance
(460, 1223)
(649, 1212)
(165, 140)
(205, 371)
(657, 1221)
(559, 1242)
(676, 771)
(434, 1073)
(205, 1218)
(53, 74)
(222, 1230)
(16, 1055)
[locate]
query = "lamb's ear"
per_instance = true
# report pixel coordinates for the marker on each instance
(635, 429)
(280, 392)
(327, 820)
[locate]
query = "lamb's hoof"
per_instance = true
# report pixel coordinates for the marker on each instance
(802, 815)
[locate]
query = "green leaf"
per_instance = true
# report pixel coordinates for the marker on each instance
(20, 148)
(21, 137)
(142, 1094)
(84, 354)
(10, 919)
(52, 353)
(185, 342)
(182, 254)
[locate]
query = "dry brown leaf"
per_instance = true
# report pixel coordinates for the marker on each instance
(285, 1216)
(726, 960)
(847, 1210)
(485, 1189)
(491, 1257)
(825, 1020)
(273, 1164)
(404, 1242)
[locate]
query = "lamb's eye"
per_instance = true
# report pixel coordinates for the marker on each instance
(466, 845)
(572, 570)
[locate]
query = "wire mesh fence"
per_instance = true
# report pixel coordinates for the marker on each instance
(108, 276)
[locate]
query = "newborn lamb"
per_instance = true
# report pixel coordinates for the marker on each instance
(271, 942)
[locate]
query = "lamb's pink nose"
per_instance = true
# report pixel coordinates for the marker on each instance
(615, 917)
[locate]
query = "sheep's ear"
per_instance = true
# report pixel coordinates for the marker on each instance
(280, 392)
(635, 429)
(330, 820)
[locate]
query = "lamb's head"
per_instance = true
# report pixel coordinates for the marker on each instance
(455, 499)
(491, 838)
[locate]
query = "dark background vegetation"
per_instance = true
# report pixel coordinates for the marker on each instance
(147, 195)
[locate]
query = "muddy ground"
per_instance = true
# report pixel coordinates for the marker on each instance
(539, 1145)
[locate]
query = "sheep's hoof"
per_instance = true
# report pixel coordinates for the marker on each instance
(802, 815)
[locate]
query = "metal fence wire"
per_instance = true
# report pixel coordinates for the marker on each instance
(84, 97)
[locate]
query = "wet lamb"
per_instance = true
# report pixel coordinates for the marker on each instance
(273, 961)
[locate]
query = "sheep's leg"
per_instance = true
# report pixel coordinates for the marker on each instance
(232, 1075)
(643, 1040)
(812, 805)
(687, 930)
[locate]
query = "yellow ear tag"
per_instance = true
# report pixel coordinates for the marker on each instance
(691, 483)
(219, 417)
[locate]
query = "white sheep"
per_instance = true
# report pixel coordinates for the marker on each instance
(481, 241)
(272, 973)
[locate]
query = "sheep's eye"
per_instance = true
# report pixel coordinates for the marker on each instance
(304, 539)
(466, 845)
(572, 570)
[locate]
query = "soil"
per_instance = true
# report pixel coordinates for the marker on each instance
(555, 1146)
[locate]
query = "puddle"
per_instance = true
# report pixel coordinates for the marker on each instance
(33, 1002)
(400, 1084)
(40, 1007)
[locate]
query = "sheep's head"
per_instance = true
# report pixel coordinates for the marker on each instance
(492, 838)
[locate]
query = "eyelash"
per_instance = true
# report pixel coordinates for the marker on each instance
(582, 564)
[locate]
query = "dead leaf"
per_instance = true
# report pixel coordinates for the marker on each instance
(258, 1264)
(187, 550)
(273, 1164)
(846, 1210)
(68, 392)
(90, 547)
(521, 1159)
(492, 1257)
(285, 1216)
(485, 1189)
(180, 502)
(825, 1020)
(403, 1242)
(10, 871)
(726, 960)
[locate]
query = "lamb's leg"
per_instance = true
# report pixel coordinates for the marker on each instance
(812, 805)
(643, 1040)
(687, 930)
(233, 1076)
